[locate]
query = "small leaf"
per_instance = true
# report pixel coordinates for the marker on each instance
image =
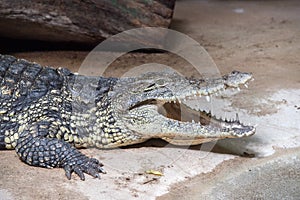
(154, 172)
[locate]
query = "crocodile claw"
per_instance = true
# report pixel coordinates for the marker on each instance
(89, 166)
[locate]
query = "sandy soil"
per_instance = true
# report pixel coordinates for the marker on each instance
(257, 36)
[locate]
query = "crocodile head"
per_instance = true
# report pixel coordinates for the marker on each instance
(153, 106)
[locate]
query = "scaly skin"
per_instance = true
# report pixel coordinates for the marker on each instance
(46, 113)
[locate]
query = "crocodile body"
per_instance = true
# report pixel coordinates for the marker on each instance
(46, 113)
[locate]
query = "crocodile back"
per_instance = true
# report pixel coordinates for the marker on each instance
(22, 84)
(21, 79)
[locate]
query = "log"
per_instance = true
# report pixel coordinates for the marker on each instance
(80, 21)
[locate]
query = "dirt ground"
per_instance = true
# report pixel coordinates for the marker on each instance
(262, 37)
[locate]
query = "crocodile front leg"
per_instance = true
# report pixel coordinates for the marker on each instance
(36, 149)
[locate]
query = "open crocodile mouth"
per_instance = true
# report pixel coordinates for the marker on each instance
(181, 114)
(161, 110)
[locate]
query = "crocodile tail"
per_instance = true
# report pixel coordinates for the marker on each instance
(2, 142)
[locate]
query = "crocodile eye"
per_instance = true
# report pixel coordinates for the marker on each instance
(158, 84)
(150, 87)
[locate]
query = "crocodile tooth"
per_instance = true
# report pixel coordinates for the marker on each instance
(246, 86)
(237, 117)
(179, 101)
(238, 89)
(208, 98)
(193, 121)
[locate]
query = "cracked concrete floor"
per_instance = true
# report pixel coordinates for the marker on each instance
(257, 36)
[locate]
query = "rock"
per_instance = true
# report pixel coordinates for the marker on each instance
(86, 22)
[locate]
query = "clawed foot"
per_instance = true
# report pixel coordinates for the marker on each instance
(83, 165)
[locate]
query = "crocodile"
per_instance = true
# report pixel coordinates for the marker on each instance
(48, 114)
